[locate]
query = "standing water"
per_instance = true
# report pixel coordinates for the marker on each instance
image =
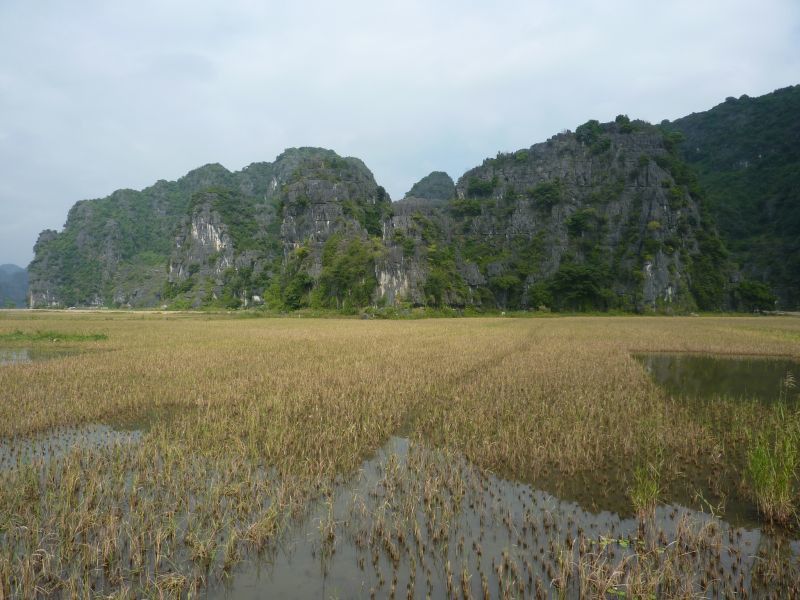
(419, 522)
(704, 377)
(13, 356)
(9, 356)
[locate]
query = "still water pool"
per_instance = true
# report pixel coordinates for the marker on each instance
(705, 377)
(13, 356)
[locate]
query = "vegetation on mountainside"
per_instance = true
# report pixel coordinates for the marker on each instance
(747, 158)
(370, 215)
(347, 280)
(708, 265)
(238, 212)
(607, 242)
(134, 229)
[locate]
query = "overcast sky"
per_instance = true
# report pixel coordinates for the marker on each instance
(98, 95)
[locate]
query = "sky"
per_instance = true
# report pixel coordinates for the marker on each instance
(99, 95)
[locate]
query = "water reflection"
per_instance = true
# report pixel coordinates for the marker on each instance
(417, 523)
(10, 356)
(704, 377)
(13, 356)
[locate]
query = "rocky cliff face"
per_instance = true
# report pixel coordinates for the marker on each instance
(403, 270)
(268, 242)
(114, 250)
(606, 217)
(596, 210)
(204, 252)
(330, 195)
(592, 219)
(211, 235)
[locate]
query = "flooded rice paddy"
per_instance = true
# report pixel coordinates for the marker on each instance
(508, 539)
(417, 522)
(390, 460)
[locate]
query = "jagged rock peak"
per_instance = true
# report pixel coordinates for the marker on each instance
(438, 185)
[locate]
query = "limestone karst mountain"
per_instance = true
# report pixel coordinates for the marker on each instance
(611, 216)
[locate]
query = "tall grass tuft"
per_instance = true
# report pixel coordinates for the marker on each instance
(773, 460)
(646, 489)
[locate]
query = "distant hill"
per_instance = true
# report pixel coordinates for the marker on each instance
(747, 155)
(13, 286)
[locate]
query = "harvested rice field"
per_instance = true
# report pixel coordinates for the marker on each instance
(176, 455)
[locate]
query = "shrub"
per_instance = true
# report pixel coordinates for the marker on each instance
(406, 243)
(469, 207)
(754, 295)
(589, 132)
(676, 198)
(580, 287)
(582, 221)
(601, 145)
(546, 194)
(481, 188)
(624, 123)
(347, 279)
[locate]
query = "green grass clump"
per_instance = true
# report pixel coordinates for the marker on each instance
(646, 489)
(773, 460)
(771, 467)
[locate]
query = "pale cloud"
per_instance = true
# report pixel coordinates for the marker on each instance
(99, 95)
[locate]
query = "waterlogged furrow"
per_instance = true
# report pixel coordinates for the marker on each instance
(416, 523)
(54, 445)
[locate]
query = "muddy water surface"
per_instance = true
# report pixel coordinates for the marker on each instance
(58, 443)
(417, 522)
